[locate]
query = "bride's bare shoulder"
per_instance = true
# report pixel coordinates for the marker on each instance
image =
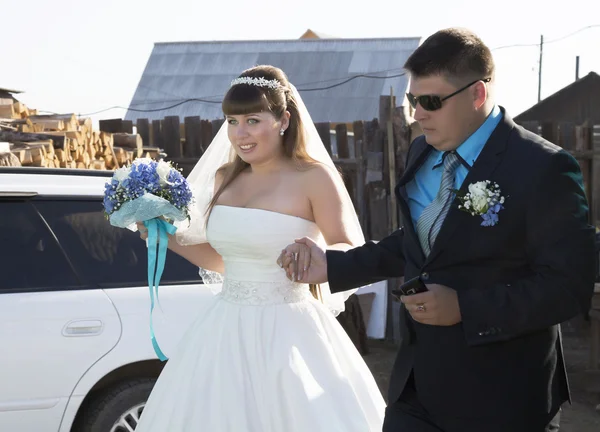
(320, 182)
(316, 172)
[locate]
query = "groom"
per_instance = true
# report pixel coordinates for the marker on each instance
(481, 349)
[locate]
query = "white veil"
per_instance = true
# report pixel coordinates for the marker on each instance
(220, 152)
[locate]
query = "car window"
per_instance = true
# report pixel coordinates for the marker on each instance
(31, 259)
(105, 255)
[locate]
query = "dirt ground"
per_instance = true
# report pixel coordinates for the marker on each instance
(581, 416)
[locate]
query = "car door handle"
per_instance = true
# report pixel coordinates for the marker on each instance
(83, 328)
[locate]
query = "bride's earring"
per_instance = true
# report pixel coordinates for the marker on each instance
(281, 131)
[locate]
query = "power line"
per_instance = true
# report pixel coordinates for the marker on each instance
(574, 33)
(220, 96)
(203, 100)
(206, 99)
(352, 78)
(550, 41)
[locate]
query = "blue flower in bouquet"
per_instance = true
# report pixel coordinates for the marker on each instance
(142, 178)
(179, 189)
(156, 183)
(111, 199)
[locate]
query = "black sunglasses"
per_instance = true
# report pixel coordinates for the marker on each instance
(434, 102)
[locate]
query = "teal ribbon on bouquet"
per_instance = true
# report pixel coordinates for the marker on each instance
(158, 230)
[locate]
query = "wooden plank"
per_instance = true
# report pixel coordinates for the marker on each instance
(583, 138)
(566, 135)
(341, 138)
(116, 126)
(324, 131)
(69, 121)
(378, 210)
(402, 134)
(132, 142)
(157, 138)
(216, 126)
(172, 137)
(127, 126)
(20, 109)
(7, 111)
(385, 102)
(12, 136)
(193, 138)
(142, 126)
(206, 134)
(391, 168)
(52, 125)
(348, 170)
(373, 152)
(358, 128)
(373, 141)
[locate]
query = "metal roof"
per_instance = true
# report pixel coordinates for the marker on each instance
(578, 102)
(7, 90)
(179, 71)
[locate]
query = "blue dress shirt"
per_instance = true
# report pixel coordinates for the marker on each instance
(423, 188)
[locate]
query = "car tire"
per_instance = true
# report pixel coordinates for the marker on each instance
(122, 403)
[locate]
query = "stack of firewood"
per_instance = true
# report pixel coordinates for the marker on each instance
(64, 141)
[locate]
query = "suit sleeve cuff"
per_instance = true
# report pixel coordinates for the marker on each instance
(477, 328)
(336, 261)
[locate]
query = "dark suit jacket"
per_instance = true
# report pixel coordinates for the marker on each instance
(516, 281)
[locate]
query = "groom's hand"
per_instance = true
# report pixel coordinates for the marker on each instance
(438, 306)
(304, 261)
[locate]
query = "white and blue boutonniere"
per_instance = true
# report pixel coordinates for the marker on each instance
(483, 199)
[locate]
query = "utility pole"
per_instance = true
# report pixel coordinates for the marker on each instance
(392, 163)
(576, 68)
(540, 69)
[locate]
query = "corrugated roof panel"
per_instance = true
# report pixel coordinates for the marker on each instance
(181, 70)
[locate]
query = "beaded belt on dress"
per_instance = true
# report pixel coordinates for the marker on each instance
(263, 293)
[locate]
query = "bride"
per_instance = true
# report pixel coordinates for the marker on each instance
(268, 354)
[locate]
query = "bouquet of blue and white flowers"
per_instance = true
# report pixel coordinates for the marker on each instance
(157, 194)
(145, 190)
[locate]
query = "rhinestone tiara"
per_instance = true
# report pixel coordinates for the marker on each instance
(259, 82)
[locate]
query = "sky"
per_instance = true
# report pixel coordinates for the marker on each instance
(83, 57)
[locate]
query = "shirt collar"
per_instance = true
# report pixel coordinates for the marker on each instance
(470, 149)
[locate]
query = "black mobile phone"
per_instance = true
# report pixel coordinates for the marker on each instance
(411, 287)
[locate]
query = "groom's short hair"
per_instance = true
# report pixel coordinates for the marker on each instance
(457, 54)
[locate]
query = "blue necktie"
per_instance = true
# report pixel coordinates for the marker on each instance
(430, 221)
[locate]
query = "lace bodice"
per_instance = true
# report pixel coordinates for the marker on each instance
(250, 240)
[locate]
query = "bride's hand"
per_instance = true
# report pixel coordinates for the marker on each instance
(143, 230)
(295, 260)
(311, 262)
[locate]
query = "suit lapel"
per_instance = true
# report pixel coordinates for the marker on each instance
(482, 169)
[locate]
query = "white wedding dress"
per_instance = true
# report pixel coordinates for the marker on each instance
(265, 356)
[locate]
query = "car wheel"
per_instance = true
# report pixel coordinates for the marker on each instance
(119, 408)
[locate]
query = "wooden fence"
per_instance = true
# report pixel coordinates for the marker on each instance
(360, 150)
(370, 155)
